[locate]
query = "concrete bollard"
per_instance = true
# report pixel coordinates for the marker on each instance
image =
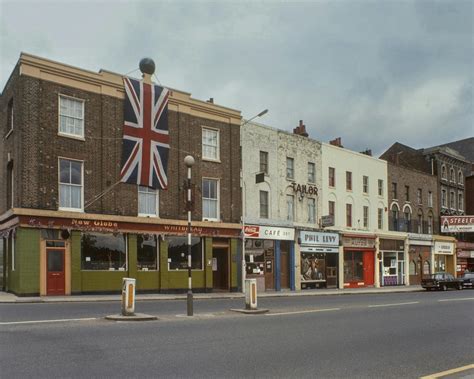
(251, 294)
(128, 297)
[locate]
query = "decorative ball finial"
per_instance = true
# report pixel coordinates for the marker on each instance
(147, 66)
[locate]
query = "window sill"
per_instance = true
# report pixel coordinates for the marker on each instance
(78, 210)
(72, 136)
(211, 219)
(148, 215)
(211, 160)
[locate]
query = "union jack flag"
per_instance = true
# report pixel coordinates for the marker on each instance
(145, 135)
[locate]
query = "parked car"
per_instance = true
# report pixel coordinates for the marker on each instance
(468, 280)
(441, 281)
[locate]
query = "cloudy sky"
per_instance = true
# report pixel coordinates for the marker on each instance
(371, 72)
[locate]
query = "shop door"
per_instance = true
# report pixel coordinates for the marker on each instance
(368, 268)
(284, 271)
(55, 275)
(269, 277)
(220, 269)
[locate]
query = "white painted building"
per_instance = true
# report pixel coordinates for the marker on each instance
(287, 195)
(354, 192)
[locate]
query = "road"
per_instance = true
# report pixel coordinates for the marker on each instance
(358, 336)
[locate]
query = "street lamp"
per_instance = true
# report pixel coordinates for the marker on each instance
(265, 111)
(189, 162)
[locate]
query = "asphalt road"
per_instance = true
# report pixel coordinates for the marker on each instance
(381, 336)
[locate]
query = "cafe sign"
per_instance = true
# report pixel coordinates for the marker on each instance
(269, 232)
(446, 248)
(319, 239)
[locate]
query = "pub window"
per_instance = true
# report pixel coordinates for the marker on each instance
(103, 251)
(263, 204)
(147, 252)
(264, 162)
(332, 177)
(70, 184)
(210, 144)
(210, 199)
(348, 181)
(178, 253)
(348, 214)
(147, 201)
(366, 216)
(311, 172)
(71, 116)
(290, 169)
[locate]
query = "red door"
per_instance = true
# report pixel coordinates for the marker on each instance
(55, 277)
(368, 268)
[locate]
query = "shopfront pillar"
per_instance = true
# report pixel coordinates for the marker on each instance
(292, 265)
(377, 263)
(341, 267)
(277, 265)
(297, 270)
(406, 250)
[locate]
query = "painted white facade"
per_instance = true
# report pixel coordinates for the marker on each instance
(279, 145)
(343, 160)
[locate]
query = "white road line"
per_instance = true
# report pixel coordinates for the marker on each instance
(392, 305)
(460, 299)
(300, 312)
(47, 321)
(449, 372)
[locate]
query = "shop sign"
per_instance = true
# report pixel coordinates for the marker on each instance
(444, 248)
(457, 224)
(269, 232)
(319, 239)
(359, 242)
(420, 239)
(318, 249)
(465, 254)
(304, 189)
(327, 221)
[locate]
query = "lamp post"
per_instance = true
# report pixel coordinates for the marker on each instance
(265, 111)
(189, 162)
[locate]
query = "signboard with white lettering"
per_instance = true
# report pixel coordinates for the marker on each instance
(444, 248)
(319, 239)
(327, 221)
(358, 242)
(269, 232)
(457, 224)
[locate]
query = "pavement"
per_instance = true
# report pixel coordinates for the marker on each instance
(6, 297)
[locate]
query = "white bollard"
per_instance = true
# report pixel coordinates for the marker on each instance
(128, 297)
(251, 294)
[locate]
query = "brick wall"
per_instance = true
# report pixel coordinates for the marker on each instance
(36, 147)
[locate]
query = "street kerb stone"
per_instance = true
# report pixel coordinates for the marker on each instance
(250, 311)
(135, 317)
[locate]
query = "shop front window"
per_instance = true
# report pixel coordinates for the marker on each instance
(178, 253)
(313, 266)
(147, 253)
(255, 251)
(353, 266)
(103, 251)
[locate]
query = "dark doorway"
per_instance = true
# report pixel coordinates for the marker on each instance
(220, 269)
(284, 268)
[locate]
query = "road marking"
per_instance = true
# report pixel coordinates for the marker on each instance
(448, 372)
(392, 305)
(461, 299)
(300, 312)
(47, 321)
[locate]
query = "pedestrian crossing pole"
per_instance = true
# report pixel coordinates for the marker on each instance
(189, 162)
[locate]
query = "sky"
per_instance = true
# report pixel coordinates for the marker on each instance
(370, 72)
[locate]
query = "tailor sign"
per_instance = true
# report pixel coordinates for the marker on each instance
(269, 232)
(457, 224)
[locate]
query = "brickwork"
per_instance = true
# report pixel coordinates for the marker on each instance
(36, 147)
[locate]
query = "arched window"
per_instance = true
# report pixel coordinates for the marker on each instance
(420, 221)
(460, 178)
(426, 268)
(430, 223)
(452, 176)
(407, 219)
(443, 172)
(412, 267)
(394, 217)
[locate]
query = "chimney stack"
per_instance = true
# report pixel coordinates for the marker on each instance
(367, 152)
(211, 100)
(336, 142)
(300, 129)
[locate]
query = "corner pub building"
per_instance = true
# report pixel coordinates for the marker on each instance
(68, 226)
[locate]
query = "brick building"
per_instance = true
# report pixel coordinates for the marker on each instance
(62, 206)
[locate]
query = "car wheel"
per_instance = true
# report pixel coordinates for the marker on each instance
(444, 287)
(460, 286)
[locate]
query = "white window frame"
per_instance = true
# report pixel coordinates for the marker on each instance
(444, 172)
(419, 196)
(261, 154)
(460, 178)
(452, 200)
(430, 198)
(218, 210)
(71, 135)
(217, 147)
(380, 218)
(460, 201)
(59, 185)
(444, 199)
(260, 205)
(365, 184)
(292, 160)
(452, 175)
(157, 199)
(366, 220)
(312, 179)
(311, 210)
(380, 187)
